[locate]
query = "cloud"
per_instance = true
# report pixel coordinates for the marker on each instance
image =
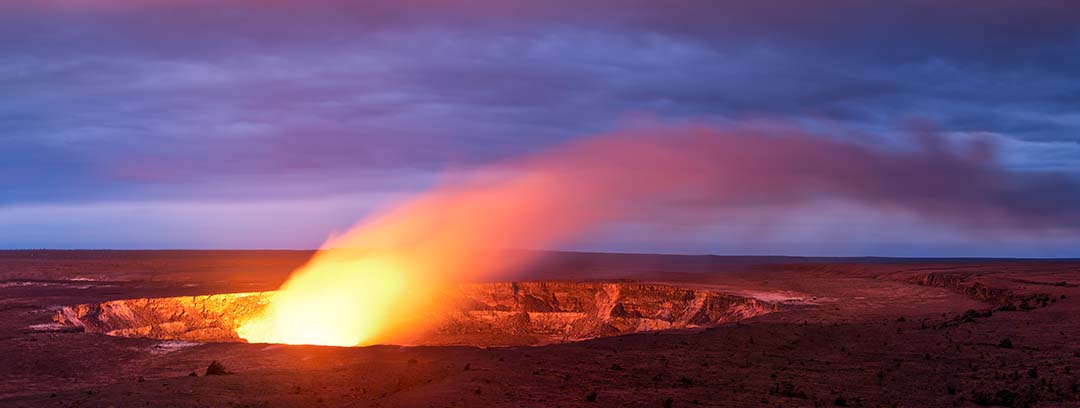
(247, 100)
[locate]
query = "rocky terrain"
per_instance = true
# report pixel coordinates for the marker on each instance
(558, 311)
(845, 332)
(511, 313)
(208, 318)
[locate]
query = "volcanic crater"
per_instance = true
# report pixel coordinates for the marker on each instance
(480, 314)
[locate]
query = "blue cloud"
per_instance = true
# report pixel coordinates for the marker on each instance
(241, 100)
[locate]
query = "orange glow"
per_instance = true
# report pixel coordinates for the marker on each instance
(334, 301)
(379, 282)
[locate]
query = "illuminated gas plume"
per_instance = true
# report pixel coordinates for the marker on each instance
(379, 281)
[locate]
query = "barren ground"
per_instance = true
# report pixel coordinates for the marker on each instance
(849, 332)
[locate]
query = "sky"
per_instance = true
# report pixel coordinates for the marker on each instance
(275, 124)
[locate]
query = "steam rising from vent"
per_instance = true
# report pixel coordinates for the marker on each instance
(381, 278)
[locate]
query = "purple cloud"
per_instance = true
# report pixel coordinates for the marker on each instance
(202, 101)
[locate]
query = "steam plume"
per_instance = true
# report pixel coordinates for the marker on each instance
(382, 275)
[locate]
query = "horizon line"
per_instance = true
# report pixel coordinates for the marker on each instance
(1004, 258)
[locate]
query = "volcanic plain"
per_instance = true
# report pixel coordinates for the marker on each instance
(131, 328)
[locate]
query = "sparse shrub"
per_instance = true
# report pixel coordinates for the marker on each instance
(686, 381)
(840, 402)
(901, 319)
(616, 367)
(1003, 398)
(669, 402)
(787, 389)
(1006, 398)
(1008, 307)
(982, 398)
(1011, 399)
(590, 397)
(970, 315)
(1006, 343)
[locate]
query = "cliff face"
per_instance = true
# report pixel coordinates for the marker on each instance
(481, 314)
(191, 318)
(959, 283)
(562, 311)
(1005, 298)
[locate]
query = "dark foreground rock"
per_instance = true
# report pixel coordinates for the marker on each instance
(216, 368)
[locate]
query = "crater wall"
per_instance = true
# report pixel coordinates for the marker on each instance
(504, 313)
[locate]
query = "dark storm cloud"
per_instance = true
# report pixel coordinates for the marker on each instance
(161, 99)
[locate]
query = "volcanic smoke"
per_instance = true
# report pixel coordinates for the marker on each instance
(379, 282)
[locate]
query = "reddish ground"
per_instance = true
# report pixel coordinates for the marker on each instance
(850, 332)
